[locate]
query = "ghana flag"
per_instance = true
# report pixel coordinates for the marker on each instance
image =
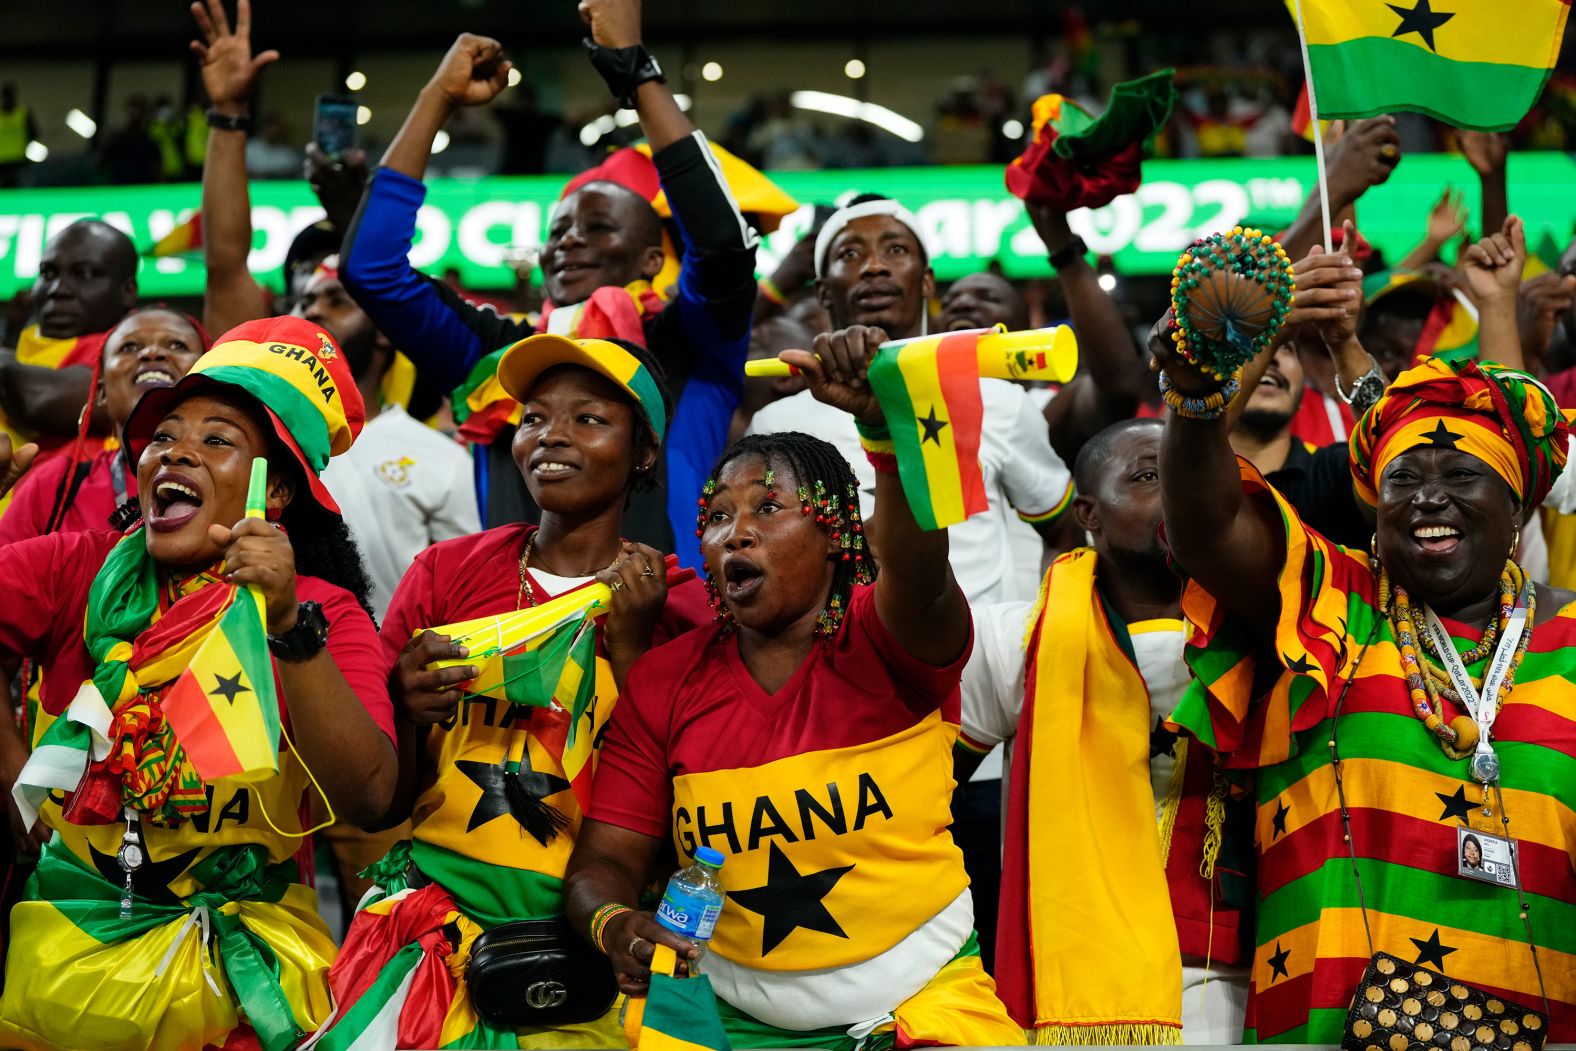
(185, 237)
(929, 388)
(223, 708)
(1470, 63)
(678, 1014)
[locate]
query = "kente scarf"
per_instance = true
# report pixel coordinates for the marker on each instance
(483, 409)
(1500, 415)
(1084, 872)
(142, 635)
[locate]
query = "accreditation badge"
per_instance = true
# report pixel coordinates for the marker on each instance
(1486, 857)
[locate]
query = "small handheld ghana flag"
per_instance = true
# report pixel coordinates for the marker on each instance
(679, 1014)
(1230, 294)
(1470, 63)
(223, 708)
(929, 389)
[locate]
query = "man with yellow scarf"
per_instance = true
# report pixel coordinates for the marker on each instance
(1123, 872)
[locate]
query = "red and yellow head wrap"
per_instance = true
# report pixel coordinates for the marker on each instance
(1501, 415)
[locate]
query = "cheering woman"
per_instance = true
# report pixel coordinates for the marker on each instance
(491, 838)
(806, 734)
(167, 912)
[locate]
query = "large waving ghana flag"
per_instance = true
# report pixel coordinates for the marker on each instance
(1472, 63)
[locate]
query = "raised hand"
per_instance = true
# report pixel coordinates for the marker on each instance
(338, 184)
(1484, 150)
(429, 696)
(1448, 217)
(835, 369)
(613, 23)
(14, 464)
(229, 69)
(1540, 305)
(1328, 293)
(640, 589)
(1493, 266)
(258, 554)
(1364, 155)
(473, 71)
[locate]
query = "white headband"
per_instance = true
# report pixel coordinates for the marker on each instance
(843, 216)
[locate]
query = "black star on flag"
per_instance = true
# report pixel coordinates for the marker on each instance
(932, 425)
(1278, 822)
(489, 777)
(1456, 805)
(229, 687)
(1422, 20)
(1299, 664)
(790, 900)
(1161, 740)
(1430, 952)
(1442, 437)
(151, 881)
(1278, 963)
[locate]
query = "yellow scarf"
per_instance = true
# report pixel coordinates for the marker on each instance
(1106, 967)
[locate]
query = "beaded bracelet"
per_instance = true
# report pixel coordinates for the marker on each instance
(1209, 407)
(876, 432)
(601, 918)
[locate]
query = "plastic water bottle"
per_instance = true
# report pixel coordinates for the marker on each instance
(693, 900)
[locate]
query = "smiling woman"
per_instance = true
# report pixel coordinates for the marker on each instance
(1390, 682)
(114, 621)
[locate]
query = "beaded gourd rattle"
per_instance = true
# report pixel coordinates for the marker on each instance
(1230, 294)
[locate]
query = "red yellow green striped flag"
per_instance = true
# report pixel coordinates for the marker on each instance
(677, 1014)
(223, 708)
(186, 237)
(1469, 63)
(929, 388)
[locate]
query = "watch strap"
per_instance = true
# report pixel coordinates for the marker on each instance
(306, 639)
(1074, 249)
(229, 121)
(624, 69)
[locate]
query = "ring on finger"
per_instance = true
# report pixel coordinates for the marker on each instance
(617, 585)
(636, 940)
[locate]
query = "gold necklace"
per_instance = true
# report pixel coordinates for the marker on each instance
(526, 591)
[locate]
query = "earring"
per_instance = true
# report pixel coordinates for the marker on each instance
(1515, 542)
(1373, 554)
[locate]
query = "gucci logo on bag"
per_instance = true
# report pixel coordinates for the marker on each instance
(543, 995)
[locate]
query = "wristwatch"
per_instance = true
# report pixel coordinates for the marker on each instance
(306, 639)
(1074, 249)
(1366, 390)
(229, 122)
(624, 69)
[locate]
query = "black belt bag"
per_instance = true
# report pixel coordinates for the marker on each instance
(538, 973)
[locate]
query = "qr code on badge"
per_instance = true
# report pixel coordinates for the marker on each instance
(1485, 857)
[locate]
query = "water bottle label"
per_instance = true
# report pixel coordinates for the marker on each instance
(691, 916)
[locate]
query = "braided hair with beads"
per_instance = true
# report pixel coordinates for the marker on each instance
(828, 490)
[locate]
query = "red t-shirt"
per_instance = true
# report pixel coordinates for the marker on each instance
(691, 706)
(90, 508)
(45, 581)
(478, 576)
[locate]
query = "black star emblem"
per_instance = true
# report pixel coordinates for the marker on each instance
(151, 881)
(1431, 952)
(1278, 963)
(1456, 805)
(1420, 20)
(1278, 822)
(229, 688)
(789, 900)
(1442, 437)
(489, 777)
(932, 425)
(1299, 664)
(1161, 740)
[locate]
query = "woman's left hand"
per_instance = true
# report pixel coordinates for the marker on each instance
(640, 589)
(257, 553)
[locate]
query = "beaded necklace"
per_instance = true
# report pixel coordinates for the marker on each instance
(1428, 687)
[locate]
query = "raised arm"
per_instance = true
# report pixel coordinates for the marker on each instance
(48, 401)
(1364, 155)
(229, 75)
(1445, 221)
(1111, 371)
(1488, 152)
(1493, 273)
(917, 598)
(1226, 542)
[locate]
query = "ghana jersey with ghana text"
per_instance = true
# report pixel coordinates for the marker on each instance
(830, 799)
(463, 835)
(1407, 799)
(76, 975)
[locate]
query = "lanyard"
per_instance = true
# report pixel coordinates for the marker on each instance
(1480, 704)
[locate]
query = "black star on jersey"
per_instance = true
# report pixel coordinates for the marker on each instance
(1278, 822)
(790, 900)
(489, 777)
(151, 882)
(1421, 20)
(1456, 805)
(1442, 437)
(1161, 740)
(1278, 963)
(1431, 952)
(229, 688)
(932, 425)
